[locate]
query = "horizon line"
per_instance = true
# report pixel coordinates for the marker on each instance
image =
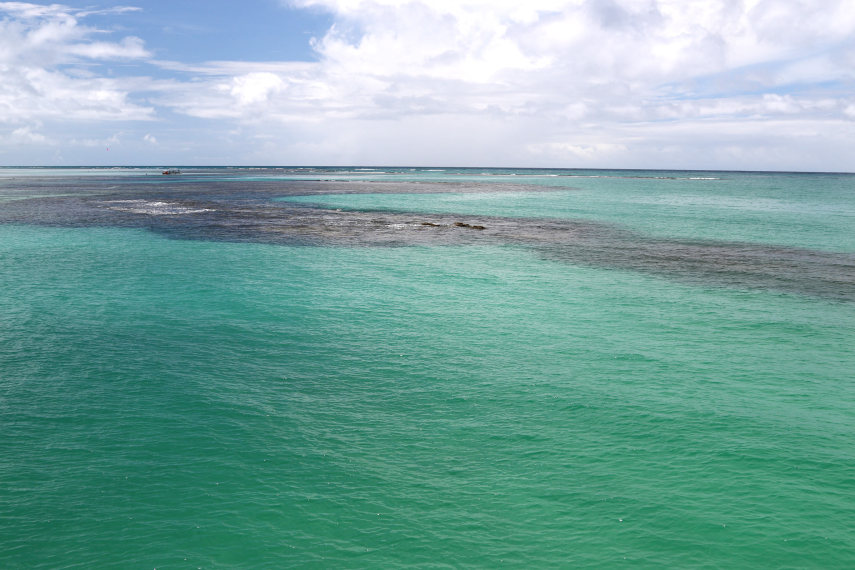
(380, 166)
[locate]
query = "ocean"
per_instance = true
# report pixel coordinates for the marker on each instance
(426, 367)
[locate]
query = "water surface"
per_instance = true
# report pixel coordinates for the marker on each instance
(195, 372)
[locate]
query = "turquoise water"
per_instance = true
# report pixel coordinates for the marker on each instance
(186, 404)
(760, 208)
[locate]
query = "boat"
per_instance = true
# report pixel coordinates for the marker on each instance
(170, 171)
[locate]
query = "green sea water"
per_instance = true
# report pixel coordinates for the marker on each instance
(802, 210)
(204, 404)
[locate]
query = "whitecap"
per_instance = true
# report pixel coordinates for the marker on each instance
(155, 208)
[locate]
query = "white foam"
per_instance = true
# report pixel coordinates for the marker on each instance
(154, 208)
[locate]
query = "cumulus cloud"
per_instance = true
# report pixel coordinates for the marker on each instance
(603, 54)
(491, 82)
(573, 82)
(39, 45)
(551, 73)
(255, 87)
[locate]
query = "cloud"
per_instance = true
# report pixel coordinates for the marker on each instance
(491, 82)
(128, 48)
(108, 11)
(563, 80)
(149, 138)
(25, 135)
(96, 143)
(24, 10)
(255, 87)
(605, 60)
(561, 151)
(39, 47)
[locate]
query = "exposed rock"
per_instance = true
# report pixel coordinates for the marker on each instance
(470, 226)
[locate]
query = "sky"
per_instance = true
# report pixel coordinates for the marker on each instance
(672, 84)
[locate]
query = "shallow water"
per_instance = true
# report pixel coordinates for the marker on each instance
(183, 387)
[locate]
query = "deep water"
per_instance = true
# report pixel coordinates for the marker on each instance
(256, 368)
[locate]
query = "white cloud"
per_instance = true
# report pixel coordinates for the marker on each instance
(572, 58)
(95, 143)
(492, 82)
(30, 92)
(255, 87)
(149, 138)
(25, 10)
(25, 135)
(129, 47)
(107, 11)
(37, 44)
(554, 80)
(561, 151)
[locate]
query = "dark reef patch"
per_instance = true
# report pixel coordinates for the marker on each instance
(244, 211)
